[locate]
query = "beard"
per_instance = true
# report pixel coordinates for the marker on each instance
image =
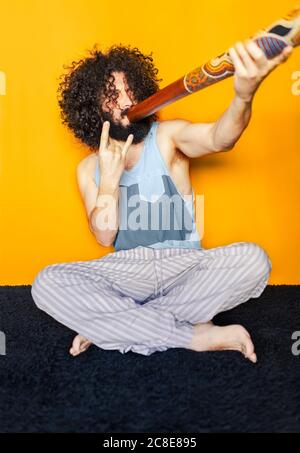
(118, 132)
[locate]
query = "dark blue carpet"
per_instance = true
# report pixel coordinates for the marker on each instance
(43, 389)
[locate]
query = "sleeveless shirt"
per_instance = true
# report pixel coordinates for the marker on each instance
(152, 211)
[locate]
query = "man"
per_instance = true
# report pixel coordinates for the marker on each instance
(160, 288)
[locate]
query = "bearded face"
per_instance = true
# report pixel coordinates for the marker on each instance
(115, 111)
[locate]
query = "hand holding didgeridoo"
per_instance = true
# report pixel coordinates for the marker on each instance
(273, 43)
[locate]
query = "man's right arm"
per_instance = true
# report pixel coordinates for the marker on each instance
(101, 204)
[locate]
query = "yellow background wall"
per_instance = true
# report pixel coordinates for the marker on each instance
(251, 193)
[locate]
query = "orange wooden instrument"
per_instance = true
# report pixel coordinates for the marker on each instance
(271, 40)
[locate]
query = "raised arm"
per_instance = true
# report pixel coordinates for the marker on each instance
(251, 68)
(102, 203)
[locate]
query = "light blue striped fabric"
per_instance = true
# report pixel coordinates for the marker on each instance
(144, 189)
(144, 299)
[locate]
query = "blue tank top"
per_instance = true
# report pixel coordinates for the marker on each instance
(152, 212)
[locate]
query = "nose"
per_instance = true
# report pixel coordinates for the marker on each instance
(124, 101)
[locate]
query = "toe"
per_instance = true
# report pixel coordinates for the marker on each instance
(249, 347)
(75, 348)
(86, 344)
(83, 345)
(253, 357)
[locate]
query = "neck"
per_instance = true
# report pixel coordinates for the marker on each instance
(133, 154)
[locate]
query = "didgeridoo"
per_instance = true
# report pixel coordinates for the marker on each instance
(271, 40)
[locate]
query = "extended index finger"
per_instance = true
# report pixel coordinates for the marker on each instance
(104, 136)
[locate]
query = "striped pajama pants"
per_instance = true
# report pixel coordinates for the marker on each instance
(146, 299)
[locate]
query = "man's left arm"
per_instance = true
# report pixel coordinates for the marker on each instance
(251, 68)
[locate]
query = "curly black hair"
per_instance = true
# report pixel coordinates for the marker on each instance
(82, 88)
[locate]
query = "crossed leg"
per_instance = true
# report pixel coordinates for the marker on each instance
(222, 278)
(215, 280)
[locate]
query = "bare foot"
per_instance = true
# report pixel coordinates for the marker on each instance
(80, 344)
(208, 337)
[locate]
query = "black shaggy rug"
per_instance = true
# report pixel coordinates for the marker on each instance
(44, 389)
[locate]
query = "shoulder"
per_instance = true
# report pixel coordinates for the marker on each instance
(166, 138)
(171, 127)
(87, 163)
(85, 169)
